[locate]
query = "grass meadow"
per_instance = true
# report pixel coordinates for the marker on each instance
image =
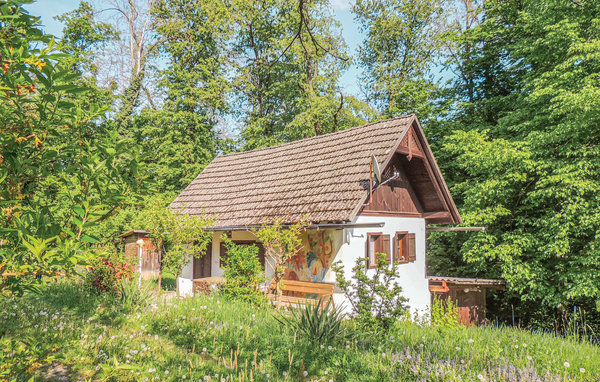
(64, 333)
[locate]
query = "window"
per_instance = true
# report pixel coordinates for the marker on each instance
(377, 243)
(223, 251)
(404, 248)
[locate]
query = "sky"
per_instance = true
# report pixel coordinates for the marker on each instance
(341, 9)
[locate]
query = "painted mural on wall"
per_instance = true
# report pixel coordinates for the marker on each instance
(313, 261)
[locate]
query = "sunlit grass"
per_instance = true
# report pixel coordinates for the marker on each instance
(208, 338)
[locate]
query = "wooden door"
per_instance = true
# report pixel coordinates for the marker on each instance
(202, 265)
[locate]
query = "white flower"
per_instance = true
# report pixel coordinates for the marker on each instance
(471, 340)
(516, 346)
(529, 358)
(305, 373)
(481, 377)
(524, 345)
(285, 373)
(151, 370)
(329, 347)
(566, 364)
(582, 370)
(166, 371)
(457, 348)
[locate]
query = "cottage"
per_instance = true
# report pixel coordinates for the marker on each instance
(333, 181)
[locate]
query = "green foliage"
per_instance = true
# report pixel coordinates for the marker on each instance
(402, 41)
(444, 313)
(61, 172)
(281, 244)
(375, 299)
(106, 274)
(318, 323)
(175, 235)
(522, 151)
(134, 297)
(243, 273)
(207, 336)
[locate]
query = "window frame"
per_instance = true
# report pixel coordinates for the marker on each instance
(378, 243)
(409, 251)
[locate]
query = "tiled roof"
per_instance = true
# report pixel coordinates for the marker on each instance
(321, 179)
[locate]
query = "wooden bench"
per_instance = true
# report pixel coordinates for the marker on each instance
(295, 292)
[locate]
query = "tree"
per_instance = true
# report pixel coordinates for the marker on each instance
(281, 244)
(402, 41)
(288, 57)
(526, 155)
(178, 237)
(61, 173)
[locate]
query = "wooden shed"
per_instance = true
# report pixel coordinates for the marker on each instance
(467, 293)
(150, 257)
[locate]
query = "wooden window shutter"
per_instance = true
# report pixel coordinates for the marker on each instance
(412, 253)
(385, 247)
(401, 248)
(373, 246)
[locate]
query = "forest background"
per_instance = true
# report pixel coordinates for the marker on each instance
(144, 94)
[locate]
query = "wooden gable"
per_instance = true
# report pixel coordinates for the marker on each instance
(419, 190)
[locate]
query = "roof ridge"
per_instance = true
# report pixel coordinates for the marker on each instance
(315, 137)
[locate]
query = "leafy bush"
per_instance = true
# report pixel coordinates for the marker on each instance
(376, 301)
(243, 273)
(134, 297)
(444, 313)
(318, 324)
(105, 275)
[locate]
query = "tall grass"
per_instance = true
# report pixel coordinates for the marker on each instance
(209, 338)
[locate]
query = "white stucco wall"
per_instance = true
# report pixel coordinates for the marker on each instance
(415, 286)
(351, 246)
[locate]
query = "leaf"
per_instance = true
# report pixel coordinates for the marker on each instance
(79, 211)
(89, 239)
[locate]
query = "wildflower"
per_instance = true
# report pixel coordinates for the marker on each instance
(524, 345)
(166, 371)
(481, 377)
(516, 346)
(285, 373)
(582, 370)
(457, 348)
(305, 373)
(151, 370)
(471, 340)
(529, 358)
(329, 347)
(566, 364)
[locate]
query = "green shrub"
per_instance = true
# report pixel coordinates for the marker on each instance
(134, 297)
(444, 313)
(317, 324)
(105, 275)
(376, 301)
(243, 273)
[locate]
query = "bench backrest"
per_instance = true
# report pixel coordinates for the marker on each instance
(307, 287)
